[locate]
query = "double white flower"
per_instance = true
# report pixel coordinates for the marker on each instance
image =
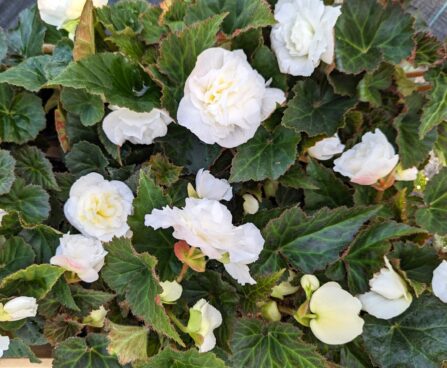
(326, 148)
(81, 255)
(303, 35)
(18, 308)
(389, 295)
(99, 208)
(225, 99)
(123, 125)
(207, 224)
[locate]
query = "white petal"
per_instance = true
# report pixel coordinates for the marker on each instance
(439, 281)
(381, 307)
(207, 186)
(240, 272)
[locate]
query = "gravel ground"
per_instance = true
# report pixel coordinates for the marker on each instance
(433, 11)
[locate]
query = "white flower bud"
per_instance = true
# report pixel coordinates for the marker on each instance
(207, 186)
(326, 148)
(172, 291)
(18, 308)
(251, 204)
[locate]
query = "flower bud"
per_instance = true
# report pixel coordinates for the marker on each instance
(309, 283)
(270, 311)
(96, 318)
(251, 205)
(18, 308)
(172, 291)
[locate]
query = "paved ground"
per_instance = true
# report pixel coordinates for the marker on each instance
(434, 12)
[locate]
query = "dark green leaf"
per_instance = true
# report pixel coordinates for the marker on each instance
(133, 274)
(21, 115)
(373, 82)
(31, 201)
(259, 345)
(428, 49)
(89, 299)
(183, 359)
(266, 155)
(310, 243)
(90, 108)
(85, 158)
(296, 178)
(264, 61)
(7, 177)
(164, 172)
(316, 109)
(415, 339)
(18, 349)
(152, 30)
(121, 82)
(242, 14)
(44, 241)
(435, 111)
(14, 255)
(89, 352)
(34, 167)
(366, 33)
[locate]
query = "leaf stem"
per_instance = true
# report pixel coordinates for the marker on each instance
(286, 310)
(182, 273)
(176, 321)
(379, 196)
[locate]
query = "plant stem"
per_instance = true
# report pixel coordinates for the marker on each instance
(176, 321)
(286, 310)
(379, 196)
(182, 273)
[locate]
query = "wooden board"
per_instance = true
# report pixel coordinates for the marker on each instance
(24, 363)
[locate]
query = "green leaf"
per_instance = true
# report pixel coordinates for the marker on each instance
(35, 281)
(129, 343)
(159, 243)
(330, 192)
(218, 293)
(259, 345)
(34, 167)
(417, 262)
(310, 243)
(31, 333)
(264, 61)
(266, 155)
(88, 352)
(14, 255)
(412, 150)
(242, 14)
(365, 254)
(316, 109)
(433, 217)
(31, 201)
(62, 293)
(416, 338)
(85, 158)
(133, 274)
(428, 49)
(165, 172)
(121, 82)
(18, 349)
(435, 111)
(152, 30)
(178, 55)
(296, 178)
(60, 328)
(7, 177)
(3, 44)
(183, 359)
(89, 299)
(367, 33)
(27, 38)
(44, 241)
(90, 108)
(21, 115)
(373, 82)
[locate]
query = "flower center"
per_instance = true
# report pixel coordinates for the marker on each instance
(301, 36)
(216, 90)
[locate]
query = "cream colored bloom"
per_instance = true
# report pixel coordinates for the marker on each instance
(4, 344)
(326, 148)
(439, 281)
(309, 282)
(172, 291)
(123, 125)
(285, 287)
(207, 224)
(303, 35)
(81, 255)
(389, 295)
(368, 161)
(18, 308)
(203, 321)
(336, 313)
(99, 208)
(96, 317)
(58, 12)
(207, 186)
(225, 99)
(270, 311)
(251, 204)
(410, 174)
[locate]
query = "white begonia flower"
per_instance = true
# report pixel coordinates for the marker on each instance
(389, 295)
(225, 99)
(368, 161)
(336, 315)
(18, 308)
(4, 344)
(439, 281)
(2, 214)
(207, 186)
(209, 319)
(81, 255)
(251, 204)
(123, 125)
(410, 174)
(172, 291)
(58, 12)
(303, 35)
(326, 148)
(99, 208)
(207, 224)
